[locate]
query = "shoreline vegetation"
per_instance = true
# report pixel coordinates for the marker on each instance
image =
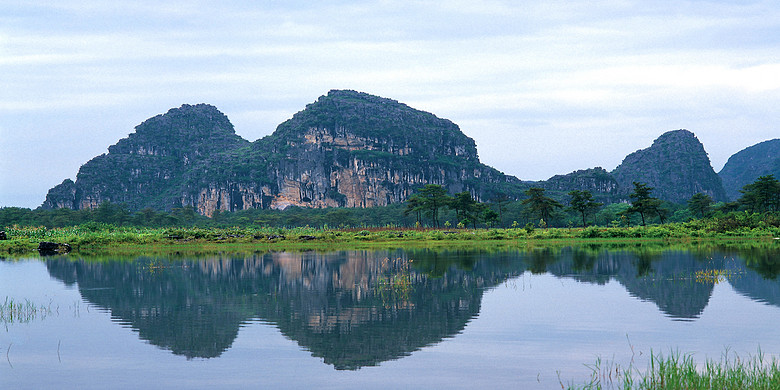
(113, 227)
(99, 238)
(680, 371)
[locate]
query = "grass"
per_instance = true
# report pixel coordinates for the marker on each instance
(94, 238)
(12, 311)
(680, 371)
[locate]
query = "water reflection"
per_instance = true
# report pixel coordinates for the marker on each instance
(360, 308)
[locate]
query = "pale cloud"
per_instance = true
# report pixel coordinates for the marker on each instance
(599, 78)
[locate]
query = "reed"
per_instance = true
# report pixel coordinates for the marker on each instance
(680, 371)
(14, 311)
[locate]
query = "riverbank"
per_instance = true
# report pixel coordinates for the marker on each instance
(94, 238)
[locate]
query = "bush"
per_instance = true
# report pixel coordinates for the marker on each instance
(590, 232)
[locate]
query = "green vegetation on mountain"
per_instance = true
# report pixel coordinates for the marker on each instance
(347, 149)
(151, 166)
(676, 165)
(747, 165)
(600, 183)
(353, 150)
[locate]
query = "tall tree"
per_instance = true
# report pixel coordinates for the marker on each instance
(433, 197)
(414, 205)
(700, 204)
(501, 200)
(541, 204)
(761, 195)
(489, 216)
(643, 203)
(583, 203)
(465, 207)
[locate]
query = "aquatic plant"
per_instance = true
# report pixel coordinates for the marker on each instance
(715, 276)
(680, 371)
(395, 283)
(13, 311)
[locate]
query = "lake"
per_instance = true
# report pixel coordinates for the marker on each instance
(405, 318)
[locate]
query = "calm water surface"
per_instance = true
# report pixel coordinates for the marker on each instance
(380, 319)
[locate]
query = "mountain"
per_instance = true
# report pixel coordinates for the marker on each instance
(346, 149)
(745, 166)
(150, 166)
(676, 165)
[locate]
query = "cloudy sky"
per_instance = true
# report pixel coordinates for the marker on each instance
(543, 87)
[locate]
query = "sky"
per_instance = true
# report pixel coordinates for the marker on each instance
(543, 87)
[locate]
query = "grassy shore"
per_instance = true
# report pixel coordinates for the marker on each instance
(678, 371)
(101, 238)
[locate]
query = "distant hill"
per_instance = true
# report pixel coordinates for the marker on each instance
(676, 165)
(347, 149)
(745, 166)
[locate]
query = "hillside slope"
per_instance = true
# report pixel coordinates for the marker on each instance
(745, 166)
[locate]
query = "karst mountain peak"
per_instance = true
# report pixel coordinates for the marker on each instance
(345, 149)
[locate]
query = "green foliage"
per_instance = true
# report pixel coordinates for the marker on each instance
(643, 204)
(614, 221)
(541, 204)
(432, 198)
(700, 204)
(583, 203)
(680, 371)
(762, 195)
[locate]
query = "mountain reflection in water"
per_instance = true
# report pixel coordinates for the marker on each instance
(360, 308)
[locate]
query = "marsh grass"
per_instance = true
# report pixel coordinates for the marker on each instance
(715, 276)
(395, 284)
(104, 238)
(680, 371)
(14, 311)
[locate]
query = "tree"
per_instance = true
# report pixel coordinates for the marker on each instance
(489, 216)
(112, 213)
(465, 208)
(582, 202)
(432, 198)
(761, 195)
(700, 204)
(540, 204)
(642, 203)
(501, 200)
(414, 205)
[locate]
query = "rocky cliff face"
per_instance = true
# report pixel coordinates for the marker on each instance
(745, 166)
(676, 165)
(347, 149)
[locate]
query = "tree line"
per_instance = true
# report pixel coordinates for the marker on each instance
(432, 206)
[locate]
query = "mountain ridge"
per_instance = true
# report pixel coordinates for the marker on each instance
(346, 149)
